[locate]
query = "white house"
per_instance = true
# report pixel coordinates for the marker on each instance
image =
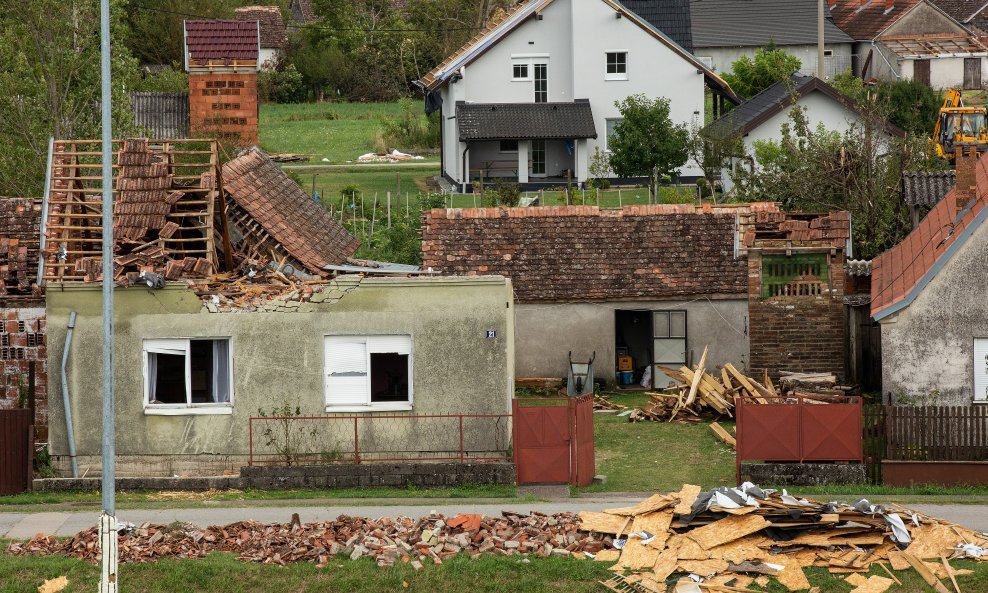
(272, 34)
(533, 96)
(761, 117)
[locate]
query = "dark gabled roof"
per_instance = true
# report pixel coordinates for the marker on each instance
(752, 113)
(962, 11)
(926, 188)
(672, 17)
(755, 23)
(221, 40)
(286, 213)
(510, 121)
(272, 26)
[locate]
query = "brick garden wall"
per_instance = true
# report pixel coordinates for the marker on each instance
(22, 340)
(224, 104)
(797, 333)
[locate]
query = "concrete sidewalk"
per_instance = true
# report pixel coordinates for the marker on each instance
(66, 523)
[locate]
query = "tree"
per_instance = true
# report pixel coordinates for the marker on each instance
(155, 30)
(748, 77)
(319, 59)
(712, 153)
(815, 169)
(50, 51)
(910, 105)
(646, 143)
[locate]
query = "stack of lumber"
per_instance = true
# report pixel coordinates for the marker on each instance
(604, 404)
(727, 539)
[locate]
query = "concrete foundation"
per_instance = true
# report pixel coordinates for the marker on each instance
(804, 474)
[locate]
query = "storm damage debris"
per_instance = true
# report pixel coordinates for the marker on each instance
(729, 537)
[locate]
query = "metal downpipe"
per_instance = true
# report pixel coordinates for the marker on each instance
(66, 405)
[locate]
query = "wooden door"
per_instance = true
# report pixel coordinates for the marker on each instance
(921, 71)
(972, 73)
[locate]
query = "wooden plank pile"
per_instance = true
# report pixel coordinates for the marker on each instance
(727, 539)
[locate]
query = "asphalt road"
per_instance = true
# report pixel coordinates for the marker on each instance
(65, 523)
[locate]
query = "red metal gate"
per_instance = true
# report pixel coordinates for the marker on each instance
(16, 451)
(798, 429)
(553, 440)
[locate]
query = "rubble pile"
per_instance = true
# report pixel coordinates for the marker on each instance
(385, 540)
(731, 537)
(261, 285)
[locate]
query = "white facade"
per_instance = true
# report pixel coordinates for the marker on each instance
(945, 72)
(572, 38)
(837, 57)
(819, 109)
(267, 58)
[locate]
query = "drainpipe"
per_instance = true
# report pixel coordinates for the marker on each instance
(463, 169)
(65, 396)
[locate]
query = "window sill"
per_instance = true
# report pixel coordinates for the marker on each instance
(615, 77)
(389, 407)
(185, 411)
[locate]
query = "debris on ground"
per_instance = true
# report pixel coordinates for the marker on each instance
(726, 538)
(289, 157)
(54, 585)
(723, 436)
(602, 403)
(395, 156)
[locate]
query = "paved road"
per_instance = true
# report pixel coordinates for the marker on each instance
(401, 165)
(26, 525)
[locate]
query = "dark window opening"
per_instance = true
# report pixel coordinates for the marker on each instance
(509, 146)
(169, 378)
(201, 361)
(617, 63)
(389, 377)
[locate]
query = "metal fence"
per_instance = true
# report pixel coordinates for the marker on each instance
(164, 115)
(357, 439)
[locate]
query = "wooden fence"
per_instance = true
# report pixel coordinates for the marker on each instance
(924, 433)
(16, 450)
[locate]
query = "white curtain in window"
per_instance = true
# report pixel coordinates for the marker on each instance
(221, 372)
(151, 376)
(175, 347)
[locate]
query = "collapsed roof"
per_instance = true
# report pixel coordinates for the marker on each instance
(19, 241)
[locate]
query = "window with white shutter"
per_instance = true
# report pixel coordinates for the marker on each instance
(366, 373)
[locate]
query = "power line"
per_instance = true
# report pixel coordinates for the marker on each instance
(314, 26)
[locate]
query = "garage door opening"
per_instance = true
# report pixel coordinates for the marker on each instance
(644, 341)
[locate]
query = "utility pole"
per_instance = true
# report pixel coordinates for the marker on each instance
(820, 70)
(108, 520)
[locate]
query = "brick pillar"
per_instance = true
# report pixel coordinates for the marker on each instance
(966, 190)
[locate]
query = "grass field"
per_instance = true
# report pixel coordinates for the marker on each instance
(223, 573)
(657, 456)
(339, 132)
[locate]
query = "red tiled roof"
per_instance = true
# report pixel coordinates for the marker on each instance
(221, 40)
(273, 33)
(912, 263)
(306, 231)
(866, 22)
(584, 253)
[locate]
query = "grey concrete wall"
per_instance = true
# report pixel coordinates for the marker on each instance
(722, 58)
(277, 358)
(921, 20)
(546, 332)
(930, 344)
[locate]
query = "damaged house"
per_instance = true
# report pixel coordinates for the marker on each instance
(228, 306)
(762, 288)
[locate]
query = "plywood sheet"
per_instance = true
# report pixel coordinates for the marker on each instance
(873, 584)
(898, 561)
(932, 540)
(856, 579)
(601, 522)
(727, 530)
(607, 555)
(637, 556)
(688, 549)
(656, 502)
(686, 496)
(792, 576)
(739, 551)
(665, 565)
(656, 523)
(703, 567)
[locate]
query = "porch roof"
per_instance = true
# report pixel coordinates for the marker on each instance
(524, 121)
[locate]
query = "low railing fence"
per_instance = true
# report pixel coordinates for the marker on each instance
(464, 438)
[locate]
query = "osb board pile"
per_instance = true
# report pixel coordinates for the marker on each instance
(385, 540)
(730, 537)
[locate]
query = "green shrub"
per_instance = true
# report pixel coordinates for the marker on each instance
(167, 81)
(409, 129)
(284, 86)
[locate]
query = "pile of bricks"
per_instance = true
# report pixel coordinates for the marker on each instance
(386, 540)
(19, 245)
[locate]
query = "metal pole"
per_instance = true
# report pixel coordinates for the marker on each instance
(66, 403)
(44, 214)
(819, 41)
(108, 532)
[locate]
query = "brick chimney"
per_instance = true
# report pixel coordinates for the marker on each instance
(966, 190)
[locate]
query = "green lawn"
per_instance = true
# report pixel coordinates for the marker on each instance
(223, 573)
(657, 456)
(339, 132)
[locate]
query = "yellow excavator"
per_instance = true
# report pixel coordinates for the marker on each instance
(959, 126)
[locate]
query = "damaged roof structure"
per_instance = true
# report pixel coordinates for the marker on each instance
(19, 244)
(176, 220)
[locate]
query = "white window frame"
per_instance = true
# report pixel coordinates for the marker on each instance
(607, 143)
(528, 71)
(980, 371)
(366, 405)
(183, 346)
(616, 75)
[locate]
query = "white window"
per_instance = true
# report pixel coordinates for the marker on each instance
(520, 72)
(610, 125)
(508, 146)
(188, 376)
(617, 65)
(365, 373)
(669, 337)
(981, 370)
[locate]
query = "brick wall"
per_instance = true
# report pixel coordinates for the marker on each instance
(224, 104)
(22, 340)
(797, 333)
